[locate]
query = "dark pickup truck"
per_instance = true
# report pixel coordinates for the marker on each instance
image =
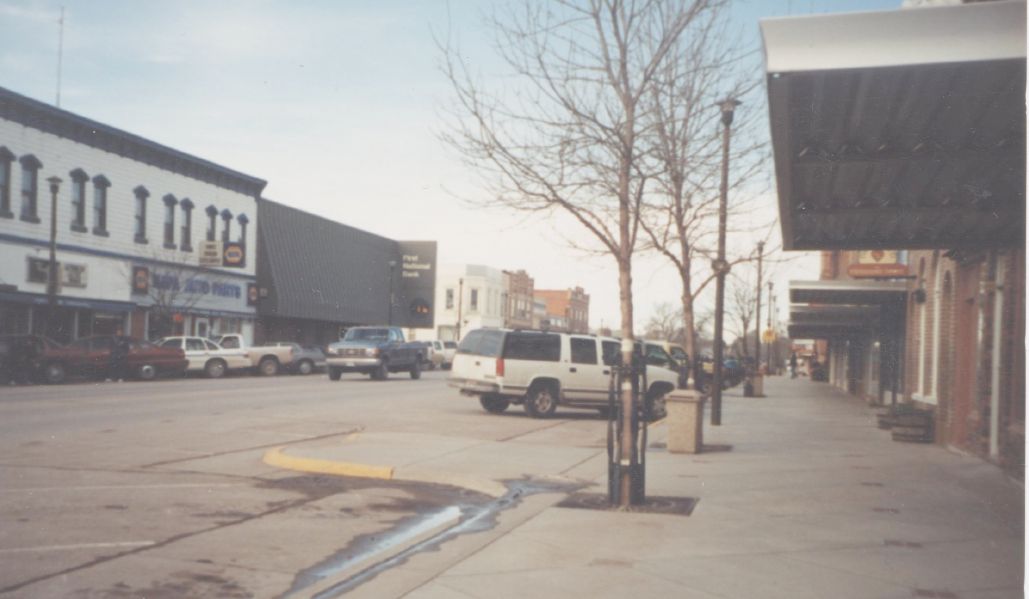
(377, 351)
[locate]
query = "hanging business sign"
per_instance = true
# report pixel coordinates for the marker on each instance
(233, 255)
(877, 264)
(140, 280)
(252, 294)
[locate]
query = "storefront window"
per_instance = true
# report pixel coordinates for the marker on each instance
(14, 319)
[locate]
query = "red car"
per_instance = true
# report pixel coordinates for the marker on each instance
(92, 357)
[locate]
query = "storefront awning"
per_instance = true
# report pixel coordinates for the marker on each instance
(848, 292)
(900, 129)
(827, 322)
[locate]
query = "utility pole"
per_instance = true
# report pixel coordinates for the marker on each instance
(460, 303)
(392, 267)
(52, 277)
(757, 319)
(720, 266)
(771, 346)
(60, 54)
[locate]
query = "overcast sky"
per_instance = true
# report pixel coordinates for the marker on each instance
(336, 105)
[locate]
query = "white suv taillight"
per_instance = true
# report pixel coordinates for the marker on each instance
(500, 367)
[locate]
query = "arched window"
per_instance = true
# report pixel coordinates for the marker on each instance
(141, 194)
(78, 200)
(170, 202)
(100, 187)
(186, 239)
(30, 166)
(6, 158)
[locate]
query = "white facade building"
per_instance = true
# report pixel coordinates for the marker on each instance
(468, 296)
(132, 220)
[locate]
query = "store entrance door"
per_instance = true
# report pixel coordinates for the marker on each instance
(202, 326)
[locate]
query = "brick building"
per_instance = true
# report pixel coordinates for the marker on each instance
(568, 307)
(900, 152)
(519, 288)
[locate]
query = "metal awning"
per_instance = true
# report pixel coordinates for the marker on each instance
(848, 292)
(827, 322)
(900, 129)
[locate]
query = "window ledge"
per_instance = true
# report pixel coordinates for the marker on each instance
(30, 219)
(142, 240)
(79, 228)
(101, 232)
(170, 246)
(186, 248)
(6, 214)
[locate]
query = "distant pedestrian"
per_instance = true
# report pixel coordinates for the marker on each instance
(793, 365)
(118, 366)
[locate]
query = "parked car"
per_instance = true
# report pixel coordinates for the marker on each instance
(266, 359)
(305, 359)
(542, 370)
(20, 357)
(375, 351)
(92, 357)
(449, 351)
(435, 355)
(207, 356)
(680, 357)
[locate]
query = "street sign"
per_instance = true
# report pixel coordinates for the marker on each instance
(768, 336)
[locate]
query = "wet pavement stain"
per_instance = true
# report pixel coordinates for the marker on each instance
(184, 584)
(474, 513)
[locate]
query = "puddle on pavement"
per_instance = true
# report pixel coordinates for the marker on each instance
(471, 517)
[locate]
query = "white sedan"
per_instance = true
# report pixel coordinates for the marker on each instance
(207, 356)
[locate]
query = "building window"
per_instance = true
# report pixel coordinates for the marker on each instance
(78, 200)
(100, 187)
(186, 240)
(30, 166)
(169, 221)
(473, 303)
(227, 228)
(212, 222)
(450, 299)
(243, 222)
(141, 194)
(6, 158)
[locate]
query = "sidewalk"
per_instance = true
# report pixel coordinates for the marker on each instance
(810, 500)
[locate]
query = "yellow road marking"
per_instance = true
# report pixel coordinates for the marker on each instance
(276, 457)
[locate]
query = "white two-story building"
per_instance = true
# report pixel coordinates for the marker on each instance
(468, 296)
(150, 241)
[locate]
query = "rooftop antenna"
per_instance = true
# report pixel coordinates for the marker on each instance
(60, 54)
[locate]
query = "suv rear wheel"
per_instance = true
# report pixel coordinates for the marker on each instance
(416, 369)
(494, 404)
(541, 401)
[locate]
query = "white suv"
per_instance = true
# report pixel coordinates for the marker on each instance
(542, 370)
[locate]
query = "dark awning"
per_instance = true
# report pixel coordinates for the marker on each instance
(900, 129)
(827, 322)
(848, 293)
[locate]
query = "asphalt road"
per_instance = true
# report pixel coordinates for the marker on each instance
(158, 489)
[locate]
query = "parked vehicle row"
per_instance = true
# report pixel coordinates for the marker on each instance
(34, 358)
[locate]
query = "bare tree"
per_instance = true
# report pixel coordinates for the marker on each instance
(742, 311)
(174, 286)
(569, 136)
(665, 323)
(681, 223)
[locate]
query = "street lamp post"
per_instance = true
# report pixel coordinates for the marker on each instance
(720, 266)
(52, 275)
(757, 319)
(771, 308)
(392, 267)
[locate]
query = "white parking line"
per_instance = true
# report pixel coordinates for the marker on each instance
(44, 548)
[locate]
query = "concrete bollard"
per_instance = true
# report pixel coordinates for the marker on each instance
(758, 382)
(685, 419)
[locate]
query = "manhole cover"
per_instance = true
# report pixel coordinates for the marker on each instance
(675, 506)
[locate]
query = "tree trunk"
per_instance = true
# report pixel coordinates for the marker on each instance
(689, 330)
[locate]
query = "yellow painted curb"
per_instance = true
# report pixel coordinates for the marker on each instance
(276, 457)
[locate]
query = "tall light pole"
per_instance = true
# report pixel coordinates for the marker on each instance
(771, 346)
(52, 275)
(720, 266)
(757, 320)
(392, 267)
